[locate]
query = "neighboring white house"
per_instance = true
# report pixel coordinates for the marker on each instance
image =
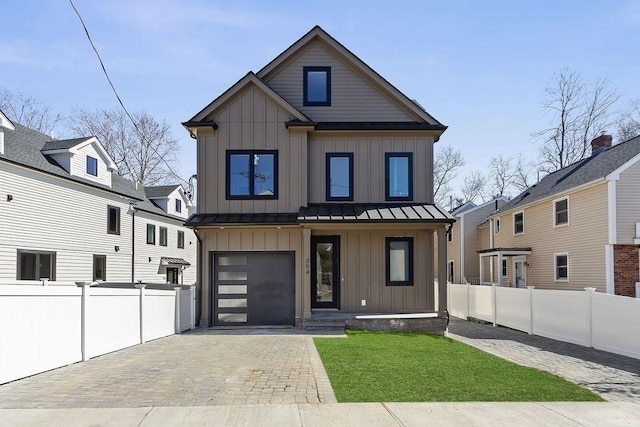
(65, 215)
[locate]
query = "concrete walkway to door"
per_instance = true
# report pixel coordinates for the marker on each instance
(202, 368)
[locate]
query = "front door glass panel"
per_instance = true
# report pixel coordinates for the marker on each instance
(325, 280)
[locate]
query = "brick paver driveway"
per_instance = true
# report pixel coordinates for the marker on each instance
(200, 368)
(616, 378)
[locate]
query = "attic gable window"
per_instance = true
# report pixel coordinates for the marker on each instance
(317, 86)
(178, 205)
(92, 166)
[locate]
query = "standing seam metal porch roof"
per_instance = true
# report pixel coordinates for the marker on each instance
(373, 212)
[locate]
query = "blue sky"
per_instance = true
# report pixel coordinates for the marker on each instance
(480, 67)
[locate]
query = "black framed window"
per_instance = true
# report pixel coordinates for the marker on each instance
(339, 176)
(504, 268)
(450, 234)
(178, 205)
(163, 236)
(561, 211)
(151, 234)
(99, 267)
(180, 239)
(317, 86)
(518, 223)
(92, 166)
(113, 220)
(36, 265)
(252, 174)
(399, 261)
(561, 267)
(399, 176)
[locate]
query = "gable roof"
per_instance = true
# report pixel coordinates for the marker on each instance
(63, 144)
(160, 191)
(5, 122)
(583, 172)
(318, 33)
(249, 78)
(24, 146)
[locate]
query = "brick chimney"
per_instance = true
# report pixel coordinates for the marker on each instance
(601, 143)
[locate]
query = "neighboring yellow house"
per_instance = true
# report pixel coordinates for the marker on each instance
(578, 227)
(315, 180)
(463, 240)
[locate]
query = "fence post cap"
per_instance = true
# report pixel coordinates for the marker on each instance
(140, 286)
(531, 287)
(590, 289)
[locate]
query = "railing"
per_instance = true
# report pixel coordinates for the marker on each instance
(586, 318)
(45, 327)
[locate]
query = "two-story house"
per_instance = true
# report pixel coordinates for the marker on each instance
(315, 192)
(66, 216)
(463, 240)
(577, 227)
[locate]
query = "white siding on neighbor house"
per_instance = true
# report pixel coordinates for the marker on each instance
(54, 214)
(369, 151)
(79, 165)
(170, 204)
(251, 120)
(353, 96)
(628, 205)
(151, 270)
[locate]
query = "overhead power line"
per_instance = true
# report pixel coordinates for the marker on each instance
(115, 92)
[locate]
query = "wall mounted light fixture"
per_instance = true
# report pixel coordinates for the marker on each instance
(117, 248)
(9, 197)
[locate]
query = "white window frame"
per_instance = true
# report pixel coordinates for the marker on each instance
(555, 224)
(497, 224)
(555, 267)
(514, 223)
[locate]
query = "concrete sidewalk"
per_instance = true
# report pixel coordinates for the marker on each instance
(339, 414)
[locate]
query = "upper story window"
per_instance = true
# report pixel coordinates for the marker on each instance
(339, 176)
(317, 86)
(398, 176)
(399, 260)
(151, 234)
(252, 174)
(92, 166)
(178, 205)
(34, 265)
(180, 239)
(561, 212)
(518, 223)
(113, 220)
(163, 236)
(496, 227)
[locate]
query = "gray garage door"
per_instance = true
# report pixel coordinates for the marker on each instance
(253, 288)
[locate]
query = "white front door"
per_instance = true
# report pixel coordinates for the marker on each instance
(519, 273)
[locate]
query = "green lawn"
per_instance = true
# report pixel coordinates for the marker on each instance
(408, 367)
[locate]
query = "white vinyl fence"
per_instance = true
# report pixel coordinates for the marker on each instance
(45, 327)
(588, 318)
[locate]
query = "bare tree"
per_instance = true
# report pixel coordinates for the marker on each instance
(502, 174)
(474, 186)
(578, 113)
(445, 168)
(142, 153)
(28, 111)
(628, 125)
(524, 173)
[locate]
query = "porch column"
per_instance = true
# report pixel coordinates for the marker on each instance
(481, 268)
(306, 273)
(442, 271)
(499, 268)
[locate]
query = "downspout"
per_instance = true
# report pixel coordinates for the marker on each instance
(198, 278)
(133, 241)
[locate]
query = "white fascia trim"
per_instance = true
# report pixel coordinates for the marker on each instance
(5, 122)
(608, 269)
(611, 211)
